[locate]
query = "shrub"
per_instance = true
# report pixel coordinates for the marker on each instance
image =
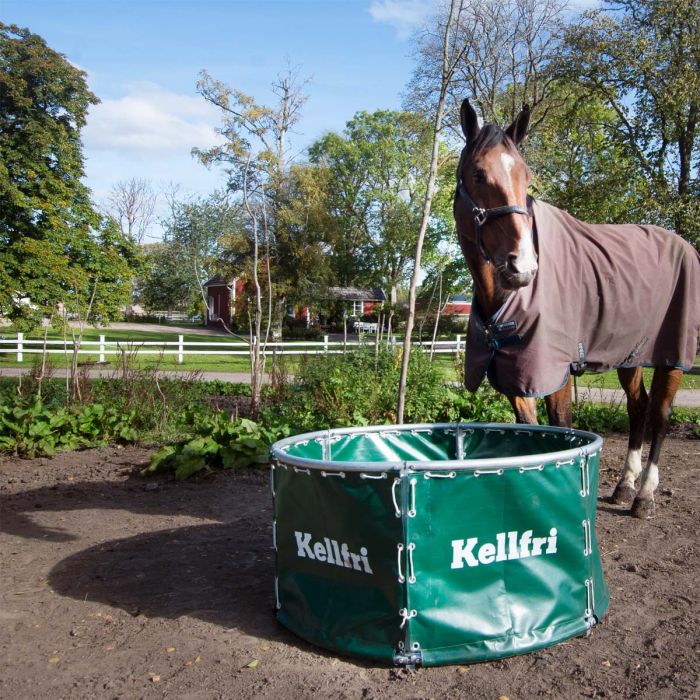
(360, 388)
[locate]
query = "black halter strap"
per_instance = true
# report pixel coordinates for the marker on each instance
(482, 216)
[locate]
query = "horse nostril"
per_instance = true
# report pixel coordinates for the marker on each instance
(512, 263)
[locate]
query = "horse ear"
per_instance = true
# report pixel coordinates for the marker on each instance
(517, 131)
(469, 121)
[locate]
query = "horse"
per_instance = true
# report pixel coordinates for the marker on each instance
(554, 296)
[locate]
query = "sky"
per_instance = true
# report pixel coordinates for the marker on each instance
(143, 59)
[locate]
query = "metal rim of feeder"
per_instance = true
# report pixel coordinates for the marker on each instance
(591, 443)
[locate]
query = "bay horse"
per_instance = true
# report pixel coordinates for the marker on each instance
(555, 296)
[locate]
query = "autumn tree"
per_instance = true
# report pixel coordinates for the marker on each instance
(255, 158)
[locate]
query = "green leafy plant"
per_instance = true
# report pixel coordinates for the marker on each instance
(219, 442)
(29, 427)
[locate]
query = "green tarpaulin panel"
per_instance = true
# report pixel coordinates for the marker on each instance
(437, 544)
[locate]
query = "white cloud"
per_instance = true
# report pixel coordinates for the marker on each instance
(404, 15)
(150, 121)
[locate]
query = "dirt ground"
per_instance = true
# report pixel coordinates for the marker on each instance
(112, 586)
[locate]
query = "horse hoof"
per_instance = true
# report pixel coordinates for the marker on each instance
(642, 508)
(622, 495)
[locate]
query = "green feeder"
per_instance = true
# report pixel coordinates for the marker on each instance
(437, 544)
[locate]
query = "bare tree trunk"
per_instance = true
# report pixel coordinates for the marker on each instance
(42, 369)
(448, 64)
(255, 323)
(437, 321)
(427, 313)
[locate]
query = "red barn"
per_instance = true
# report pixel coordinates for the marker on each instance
(458, 305)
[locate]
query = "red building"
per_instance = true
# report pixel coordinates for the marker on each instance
(221, 299)
(458, 305)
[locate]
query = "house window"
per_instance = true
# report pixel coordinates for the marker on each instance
(357, 308)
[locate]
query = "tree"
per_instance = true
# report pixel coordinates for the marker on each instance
(132, 204)
(377, 174)
(167, 281)
(46, 218)
(453, 50)
(254, 155)
(198, 231)
(306, 234)
(502, 52)
(643, 61)
(581, 165)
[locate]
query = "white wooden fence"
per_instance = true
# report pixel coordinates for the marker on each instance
(21, 346)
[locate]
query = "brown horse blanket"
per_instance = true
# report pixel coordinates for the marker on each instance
(604, 296)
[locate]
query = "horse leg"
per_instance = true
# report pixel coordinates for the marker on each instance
(632, 381)
(663, 390)
(525, 409)
(559, 406)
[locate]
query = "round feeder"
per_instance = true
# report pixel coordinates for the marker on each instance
(437, 544)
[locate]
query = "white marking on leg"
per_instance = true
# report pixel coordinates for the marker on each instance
(632, 468)
(650, 480)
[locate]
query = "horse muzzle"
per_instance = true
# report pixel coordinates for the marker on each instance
(509, 280)
(518, 269)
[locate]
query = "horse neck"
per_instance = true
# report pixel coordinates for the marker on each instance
(486, 289)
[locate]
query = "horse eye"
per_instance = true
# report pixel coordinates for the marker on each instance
(480, 176)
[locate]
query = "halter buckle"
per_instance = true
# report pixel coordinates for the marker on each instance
(480, 216)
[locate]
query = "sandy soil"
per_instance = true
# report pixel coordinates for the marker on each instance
(117, 587)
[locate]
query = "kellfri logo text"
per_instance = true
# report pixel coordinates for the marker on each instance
(508, 546)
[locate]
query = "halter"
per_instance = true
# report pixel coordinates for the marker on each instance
(482, 216)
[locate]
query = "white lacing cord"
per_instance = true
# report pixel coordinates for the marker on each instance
(538, 468)
(399, 549)
(563, 463)
(480, 472)
(590, 598)
(585, 487)
(587, 542)
(412, 510)
(383, 475)
(397, 510)
(411, 574)
(339, 474)
(300, 470)
(406, 615)
(439, 475)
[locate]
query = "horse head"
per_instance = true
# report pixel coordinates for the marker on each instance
(490, 204)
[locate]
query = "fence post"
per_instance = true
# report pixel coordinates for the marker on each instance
(102, 349)
(325, 344)
(180, 340)
(459, 340)
(20, 347)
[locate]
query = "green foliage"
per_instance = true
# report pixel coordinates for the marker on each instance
(54, 247)
(31, 427)
(643, 61)
(377, 171)
(219, 442)
(359, 388)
